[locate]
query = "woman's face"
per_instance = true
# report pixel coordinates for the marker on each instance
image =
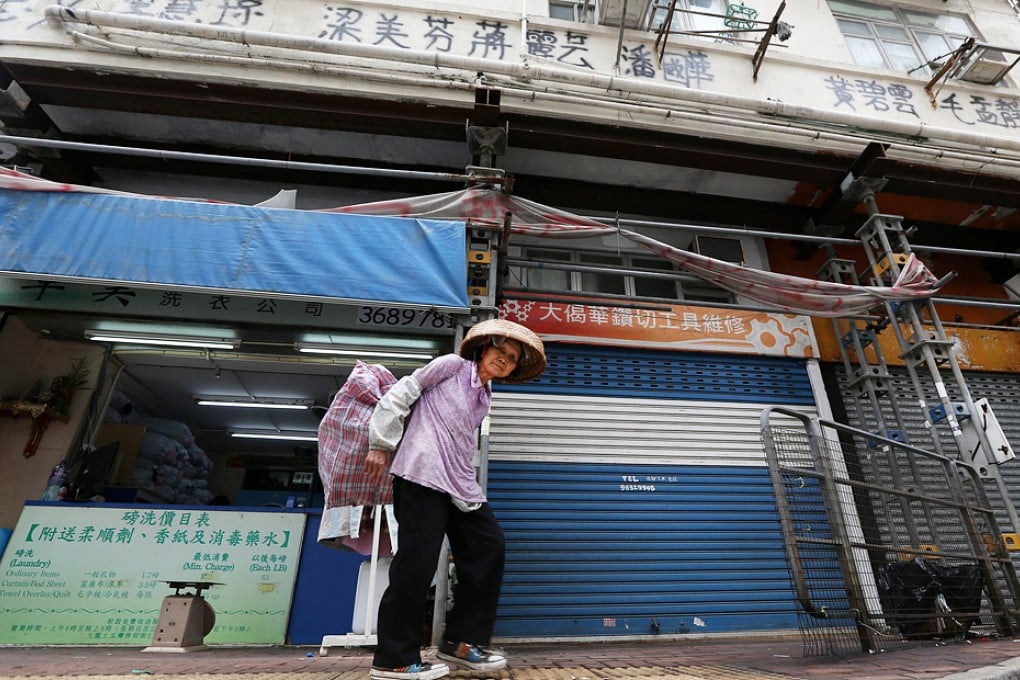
(499, 361)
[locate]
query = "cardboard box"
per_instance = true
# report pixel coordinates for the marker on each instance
(129, 437)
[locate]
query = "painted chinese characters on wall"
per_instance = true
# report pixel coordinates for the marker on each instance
(580, 47)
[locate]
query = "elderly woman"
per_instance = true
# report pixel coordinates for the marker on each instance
(436, 493)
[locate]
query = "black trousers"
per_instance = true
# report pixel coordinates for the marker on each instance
(479, 550)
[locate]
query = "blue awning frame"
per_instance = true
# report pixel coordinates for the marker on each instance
(234, 249)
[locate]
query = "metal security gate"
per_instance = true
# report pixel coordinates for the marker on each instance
(635, 498)
(1002, 390)
(888, 544)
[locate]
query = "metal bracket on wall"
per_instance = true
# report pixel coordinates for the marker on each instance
(974, 62)
(738, 19)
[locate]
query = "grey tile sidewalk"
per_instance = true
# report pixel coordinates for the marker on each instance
(708, 659)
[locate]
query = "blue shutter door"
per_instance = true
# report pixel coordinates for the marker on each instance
(634, 495)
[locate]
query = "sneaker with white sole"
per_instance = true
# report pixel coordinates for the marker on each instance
(470, 656)
(416, 671)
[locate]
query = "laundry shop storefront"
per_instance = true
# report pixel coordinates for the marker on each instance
(93, 573)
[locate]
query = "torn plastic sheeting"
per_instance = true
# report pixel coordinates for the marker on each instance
(489, 207)
(777, 291)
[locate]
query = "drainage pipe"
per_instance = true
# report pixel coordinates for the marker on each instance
(250, 162)
(365, 69)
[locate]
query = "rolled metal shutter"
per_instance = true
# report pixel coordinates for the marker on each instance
(634, 495)
(1003, 393)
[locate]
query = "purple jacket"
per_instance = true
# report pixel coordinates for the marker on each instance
(435, 442)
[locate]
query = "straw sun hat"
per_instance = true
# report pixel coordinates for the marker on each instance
(532, 362)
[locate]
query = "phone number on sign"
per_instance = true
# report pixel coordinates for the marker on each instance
(394, 316)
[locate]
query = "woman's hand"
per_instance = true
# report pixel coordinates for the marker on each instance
(377, 464)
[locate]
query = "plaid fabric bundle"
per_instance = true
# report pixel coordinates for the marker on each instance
(343, 440)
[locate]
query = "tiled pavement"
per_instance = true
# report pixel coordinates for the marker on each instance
(707, 659)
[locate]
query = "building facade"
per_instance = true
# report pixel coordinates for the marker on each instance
(631, 478)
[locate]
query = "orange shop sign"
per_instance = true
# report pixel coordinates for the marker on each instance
(677, 327)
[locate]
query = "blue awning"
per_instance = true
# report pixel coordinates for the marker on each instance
(102, 238)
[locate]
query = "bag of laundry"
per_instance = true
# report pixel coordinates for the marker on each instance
(351, 497)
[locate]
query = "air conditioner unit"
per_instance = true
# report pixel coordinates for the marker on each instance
(630, 12)
(987, 65)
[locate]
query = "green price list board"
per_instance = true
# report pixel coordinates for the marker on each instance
(92, 575)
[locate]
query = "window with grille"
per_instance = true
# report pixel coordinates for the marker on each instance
(897, 38)
(612, 274)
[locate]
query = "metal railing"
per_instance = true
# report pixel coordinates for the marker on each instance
(887, 544)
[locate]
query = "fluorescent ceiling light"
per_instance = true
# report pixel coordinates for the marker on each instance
(297, 436)
(397, 343)
(254, 402)
(161, 340)
(314, 348)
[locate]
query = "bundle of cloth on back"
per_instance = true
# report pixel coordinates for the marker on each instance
(351, 496)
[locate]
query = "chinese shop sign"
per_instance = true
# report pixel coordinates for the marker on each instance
(133, 301)
(676, 327)
(81, 575)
